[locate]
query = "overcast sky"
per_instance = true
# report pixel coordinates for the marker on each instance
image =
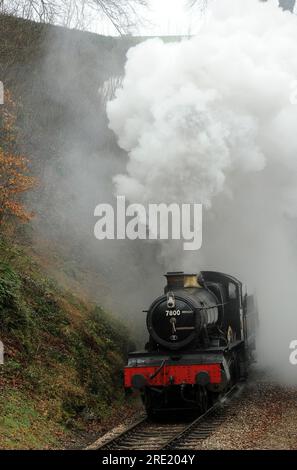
(170, 17)
(164, 17)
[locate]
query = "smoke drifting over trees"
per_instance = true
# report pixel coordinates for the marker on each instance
(210, 120)
(220, 107)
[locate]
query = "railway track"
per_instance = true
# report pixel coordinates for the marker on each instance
(148, 435)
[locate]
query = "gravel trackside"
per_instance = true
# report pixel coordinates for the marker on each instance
(265, 417)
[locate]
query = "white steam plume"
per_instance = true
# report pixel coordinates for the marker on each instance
(210, 120)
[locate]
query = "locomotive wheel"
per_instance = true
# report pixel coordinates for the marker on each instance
(148, 402)
(202, 398)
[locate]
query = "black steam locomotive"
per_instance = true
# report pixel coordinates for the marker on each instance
(201, 342)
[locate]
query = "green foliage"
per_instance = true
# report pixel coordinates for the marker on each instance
(27, 307)
(73, 365)
(23, 425)
(15, 316)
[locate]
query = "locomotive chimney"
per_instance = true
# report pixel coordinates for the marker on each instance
(180, 280)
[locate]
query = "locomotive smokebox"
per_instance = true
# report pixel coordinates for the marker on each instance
(181, 316)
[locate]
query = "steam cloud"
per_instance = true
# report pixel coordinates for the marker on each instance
(210, 120)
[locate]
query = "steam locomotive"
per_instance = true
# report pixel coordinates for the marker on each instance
(201, 342)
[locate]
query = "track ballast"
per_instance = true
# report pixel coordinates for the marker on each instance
(149, 435)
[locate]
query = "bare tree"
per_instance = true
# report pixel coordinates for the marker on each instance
(108, 90)
(123, 14)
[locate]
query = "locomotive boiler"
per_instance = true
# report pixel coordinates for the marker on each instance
(201, 341)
